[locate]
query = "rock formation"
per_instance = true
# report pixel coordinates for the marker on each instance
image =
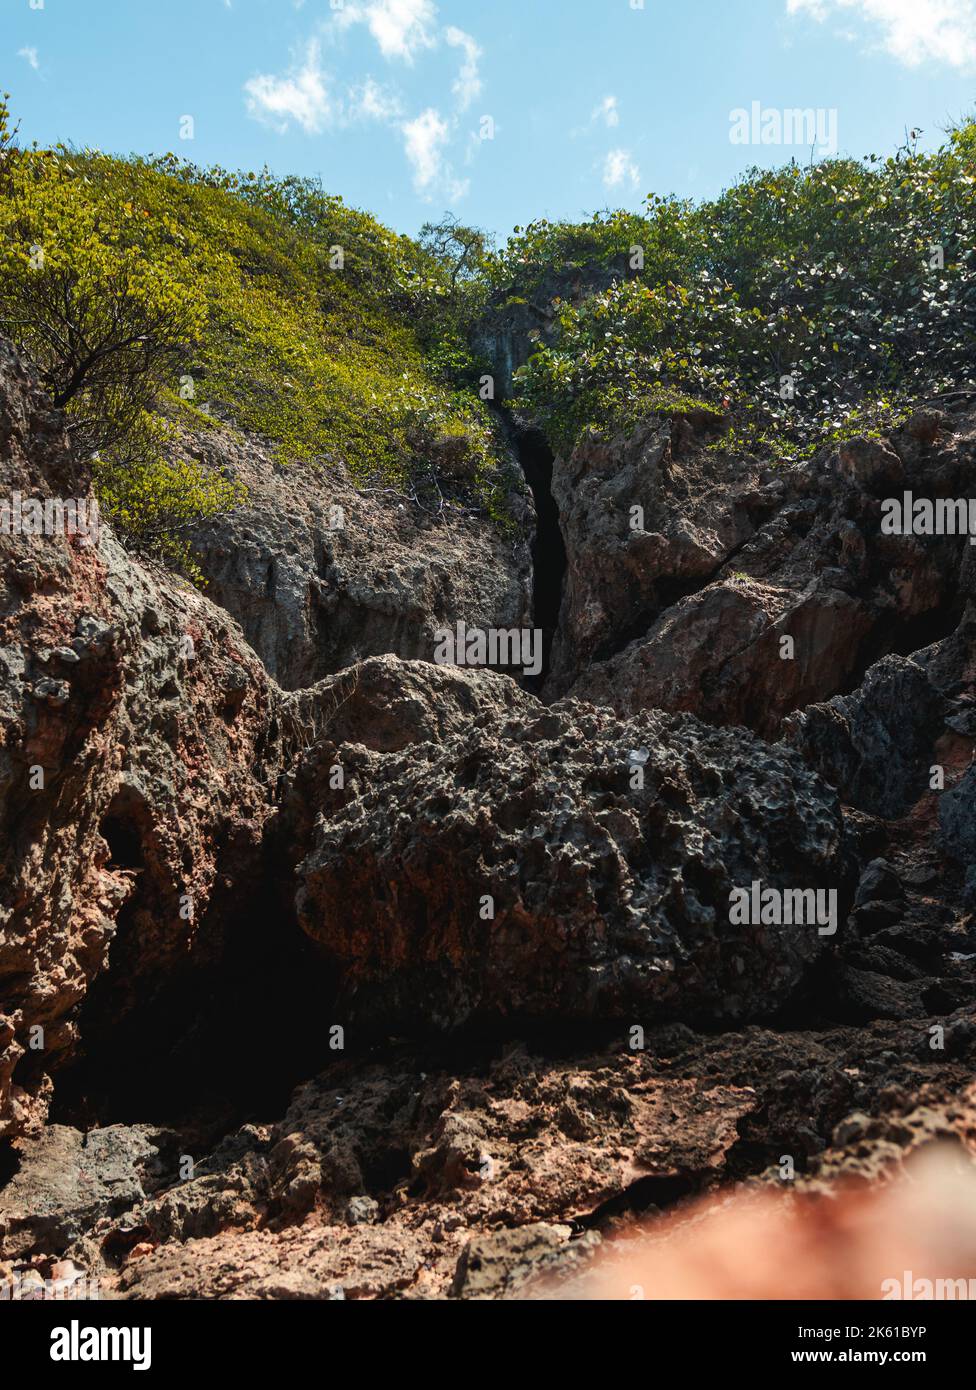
(320, 573)
(327, 971)
(742, 596)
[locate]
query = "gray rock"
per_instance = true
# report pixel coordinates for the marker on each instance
(608, 900)
(957, 818)
(67, 1181)
(313, 597)
(499, 1265)
(878, 881)
(877, 744)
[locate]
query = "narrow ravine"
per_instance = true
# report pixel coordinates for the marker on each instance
(548, 549)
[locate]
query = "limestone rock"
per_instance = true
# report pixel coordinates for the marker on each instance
(607, 901)
(321, 573)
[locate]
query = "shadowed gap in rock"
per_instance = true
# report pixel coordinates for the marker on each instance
(233, 1033)
(548, 550)
(120, 831)
(903, 637)
(655, 1192)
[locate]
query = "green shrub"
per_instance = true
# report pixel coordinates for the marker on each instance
(154, 496)
(268, 302)
(802, 297)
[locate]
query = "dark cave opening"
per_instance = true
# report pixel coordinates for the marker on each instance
(9, 1162)
(125, 827)
(548, 549)
(123, 840)
(228, 1036)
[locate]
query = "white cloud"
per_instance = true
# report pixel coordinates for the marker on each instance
(400, 27)
(467, 84)
(620, 170)
(307, 95)
(607, 112)
(425, 140)
(373, 102)
(300, 95)
(30, 56)
(912, 31)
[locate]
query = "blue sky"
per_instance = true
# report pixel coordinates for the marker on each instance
(500, 110)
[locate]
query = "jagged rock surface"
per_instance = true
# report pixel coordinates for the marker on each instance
(135, 746)
(404, 1179)
(625, 567)
(469, 1168)
(606, 899)
(315, 591)
(793, 554)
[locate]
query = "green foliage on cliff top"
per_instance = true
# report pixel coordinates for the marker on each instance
(851, 284)
(142, 288)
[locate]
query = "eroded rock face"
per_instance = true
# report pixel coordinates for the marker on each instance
(749, 596)
(387, 704)
(175, 771)
(910, 718)
(957, 818)
(136, 738)
(68, 1182)
(624, 569)
(140, 745)
(876, 745)
(607, 899)
(321, 574)
(718, 654)
(548, 1140)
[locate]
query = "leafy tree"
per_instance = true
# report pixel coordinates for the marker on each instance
(8, 137)
(819, 300)
(461, 250)
(101, 291)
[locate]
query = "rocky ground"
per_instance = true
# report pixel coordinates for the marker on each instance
(326, 971)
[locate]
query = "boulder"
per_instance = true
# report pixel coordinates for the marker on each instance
(563, 864)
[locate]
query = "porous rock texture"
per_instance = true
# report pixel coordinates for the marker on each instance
(322, 573)
(566, 863)
(135, 739)
(690, 610)
(259, 1036)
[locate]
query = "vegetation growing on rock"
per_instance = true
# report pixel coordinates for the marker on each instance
(146, 290)
(815, 301)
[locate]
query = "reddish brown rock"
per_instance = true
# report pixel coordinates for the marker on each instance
(751, 597)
